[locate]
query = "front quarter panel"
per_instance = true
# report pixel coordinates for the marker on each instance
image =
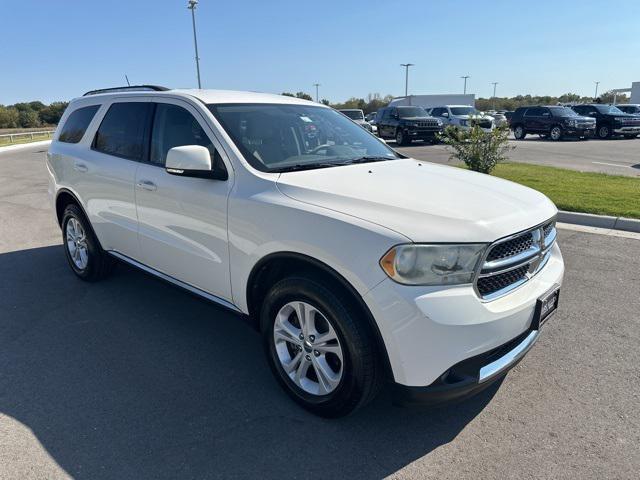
(263, 221)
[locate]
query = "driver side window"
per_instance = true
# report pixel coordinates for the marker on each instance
(174, 126)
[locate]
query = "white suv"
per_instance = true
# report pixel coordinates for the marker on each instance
(358, 265)
(463, 117)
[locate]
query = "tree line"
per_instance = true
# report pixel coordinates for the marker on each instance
(31, 114)
(37, 114)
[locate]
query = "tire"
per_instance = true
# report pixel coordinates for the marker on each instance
(556, 133)
(604, 132)
(519, 132)
(346, 385)
(401, 138)
(82, 249)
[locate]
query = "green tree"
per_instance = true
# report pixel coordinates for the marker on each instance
(9, 117)
(324, 101)
(28, 119)
(50, 115)
(287, 94)
(304, 96)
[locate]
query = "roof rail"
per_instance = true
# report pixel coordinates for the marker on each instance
(129, 88)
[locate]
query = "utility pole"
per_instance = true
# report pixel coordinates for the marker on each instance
(316, 85)
(406, 77)
(465, 83)
(596, 95)
(494, 94)
(192, 6)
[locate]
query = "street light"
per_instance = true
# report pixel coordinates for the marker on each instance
(465, 83)
(192, 6)
(494, 94)
(316, 85)
(406, 77)
(596, 95)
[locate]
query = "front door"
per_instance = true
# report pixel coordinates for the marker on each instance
(183, 220)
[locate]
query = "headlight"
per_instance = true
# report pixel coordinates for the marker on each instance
(464, 123)
(619, 119)
(571, 123)
(417, 264)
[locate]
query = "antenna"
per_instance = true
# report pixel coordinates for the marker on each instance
(127, 79)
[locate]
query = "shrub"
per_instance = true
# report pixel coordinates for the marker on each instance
(479, 150)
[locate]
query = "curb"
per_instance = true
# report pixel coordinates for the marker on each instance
(600, 221)
(9, 148)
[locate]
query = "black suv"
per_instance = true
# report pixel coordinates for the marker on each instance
(554, 122)
(406, 124)
(610, 120)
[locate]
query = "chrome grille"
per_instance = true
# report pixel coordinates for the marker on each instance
(427, 123)
(512, 261)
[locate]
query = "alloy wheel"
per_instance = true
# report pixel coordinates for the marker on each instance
(308, 348)
(556, 133)
(77, 244)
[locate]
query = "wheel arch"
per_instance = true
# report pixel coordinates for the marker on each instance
(63, 198)
(278, 265)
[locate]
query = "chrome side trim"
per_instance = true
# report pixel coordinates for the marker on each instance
(505, 362)
(167, 278)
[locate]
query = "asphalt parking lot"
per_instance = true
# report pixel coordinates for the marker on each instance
(617, 156)
(133, 378)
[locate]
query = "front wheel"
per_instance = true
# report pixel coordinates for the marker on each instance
(401, 138)
(519, 132)
(604, 132)
(556, 133)
(319, 347)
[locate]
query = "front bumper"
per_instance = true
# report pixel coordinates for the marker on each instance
(580, 132)
(469, 377)
(627, 130)
(429, 330)
(422, 134)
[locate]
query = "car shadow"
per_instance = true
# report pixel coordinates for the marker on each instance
(133, 378)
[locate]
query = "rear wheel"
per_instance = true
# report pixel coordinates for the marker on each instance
(319, 347)
(556, 133)
(84, 254)
(519, 132)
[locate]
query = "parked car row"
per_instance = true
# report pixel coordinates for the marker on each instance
(579, 121)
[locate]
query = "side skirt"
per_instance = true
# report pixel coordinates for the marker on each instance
(190, 288)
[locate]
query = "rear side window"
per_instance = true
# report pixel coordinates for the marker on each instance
(173, 126)
(77, 123)
(122, 130)
(534, 112)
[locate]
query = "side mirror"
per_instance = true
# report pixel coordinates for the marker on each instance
(192, 161)
(445, 114)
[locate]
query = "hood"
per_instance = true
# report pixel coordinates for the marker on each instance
(423, 201)
(480, 117)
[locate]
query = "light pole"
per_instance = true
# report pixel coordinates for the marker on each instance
(316, 85)
(465, 83)
(596, 95)
(192, 6)
(406, 77)
(494, 94)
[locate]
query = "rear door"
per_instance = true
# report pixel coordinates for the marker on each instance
(532, 119)
(107, 171)
(183, 220)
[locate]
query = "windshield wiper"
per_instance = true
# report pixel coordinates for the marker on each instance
(304, 166)
(365, 159)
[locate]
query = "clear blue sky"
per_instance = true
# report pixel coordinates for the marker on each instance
(58, 49)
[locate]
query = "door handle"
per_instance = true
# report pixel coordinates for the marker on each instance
(147, 185)
(80, 167)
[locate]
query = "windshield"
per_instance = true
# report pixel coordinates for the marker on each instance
(463, 111)
(408, 112)
(608, 109)
(563, 112)
(278, 137)
(353, 114)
